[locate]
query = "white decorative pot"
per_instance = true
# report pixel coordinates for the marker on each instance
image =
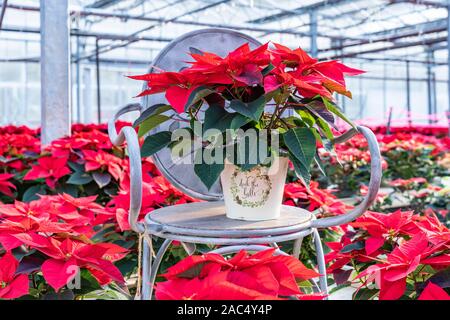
(256, 194)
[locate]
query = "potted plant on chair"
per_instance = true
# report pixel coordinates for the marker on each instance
(248, 114)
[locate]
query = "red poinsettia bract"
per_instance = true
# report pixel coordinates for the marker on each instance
(7, 187)
(243, 277)
(12, 285)
(68, 255)
(50, 168)
(433, 292)
(392, 273)
(244, 67)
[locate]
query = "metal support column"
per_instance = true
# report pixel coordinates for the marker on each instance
(55, 70)
(408, 93)
(313, 33)
(433, 87)
(87, 95)
(78, 75)
(97, 67)
(448, 67)
(429, 87)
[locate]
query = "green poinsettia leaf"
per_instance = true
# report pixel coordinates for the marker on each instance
(335, 109)
(325, 128)
(32, 193)
(102, 179)
(267, 69)
(194, 50)
(156, 142)
(207, 173)
(319, 164)
(80, 178)
(301, 142)
(353, 246)
(218, 118)
(301, 171)
(238, 121)
(306, 116)
(151, 123)
(196, 95)
(155, 109)
(252, 110)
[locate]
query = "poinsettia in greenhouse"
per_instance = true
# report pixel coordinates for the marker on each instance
(313, 198)
(102, 160)
(89, 210)
(433, 292)
(262, 275)
(67, 256)
(59, 227)
(12, 285)
(394, 252)
(50, 168)
(384, 227)
(7, 187)
(399, 264)
(233, 91)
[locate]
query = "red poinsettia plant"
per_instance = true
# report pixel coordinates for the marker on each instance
(262, 275)
(64, 213)
(258, 89)
(52, 237)
(393, 256)
(61, 222)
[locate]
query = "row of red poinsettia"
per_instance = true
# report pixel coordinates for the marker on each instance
(59, 232)
(400, 252)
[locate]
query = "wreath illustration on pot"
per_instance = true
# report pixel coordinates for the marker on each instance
(250, 188)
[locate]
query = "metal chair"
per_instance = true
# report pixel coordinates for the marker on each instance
(205, 222)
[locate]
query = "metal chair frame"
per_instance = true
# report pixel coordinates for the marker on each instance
(230, 240)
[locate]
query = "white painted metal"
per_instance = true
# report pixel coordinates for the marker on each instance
(374, 183)
(129, 135)
(55, 70)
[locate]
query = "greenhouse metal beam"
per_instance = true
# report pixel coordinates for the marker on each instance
(313, 32)
(104, 14)
(134, 37)
(102, 3)
(421, 2)
(299, 10)
(420, 27)
(395, 34)
(2, 13)
(87, 34)
(55, 70)
(395, 46)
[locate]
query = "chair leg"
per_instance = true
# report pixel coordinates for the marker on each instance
(320, 262)
(297, 248)
(189, 247)
(146, 268)
(155, 266)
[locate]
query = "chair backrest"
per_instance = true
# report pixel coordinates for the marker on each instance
(173, 58)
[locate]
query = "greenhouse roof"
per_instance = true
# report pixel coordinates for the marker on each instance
(375, 29)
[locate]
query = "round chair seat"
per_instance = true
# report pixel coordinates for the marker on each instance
(208, 219)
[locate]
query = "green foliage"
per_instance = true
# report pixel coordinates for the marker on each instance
(155, 142)
(252, 110)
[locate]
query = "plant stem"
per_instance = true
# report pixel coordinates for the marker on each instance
(273, 117)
